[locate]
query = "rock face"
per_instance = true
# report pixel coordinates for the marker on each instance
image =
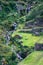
(38, 46)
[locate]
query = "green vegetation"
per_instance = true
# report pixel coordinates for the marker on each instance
(35, 58)
(40, 41)
(27, 37)
(21, 27)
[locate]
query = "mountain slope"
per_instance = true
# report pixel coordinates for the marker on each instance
(8, 15)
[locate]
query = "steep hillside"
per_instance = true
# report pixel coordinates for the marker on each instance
(21, 28)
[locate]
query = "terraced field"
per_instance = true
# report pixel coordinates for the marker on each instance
(28, 39)
(35, 58)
